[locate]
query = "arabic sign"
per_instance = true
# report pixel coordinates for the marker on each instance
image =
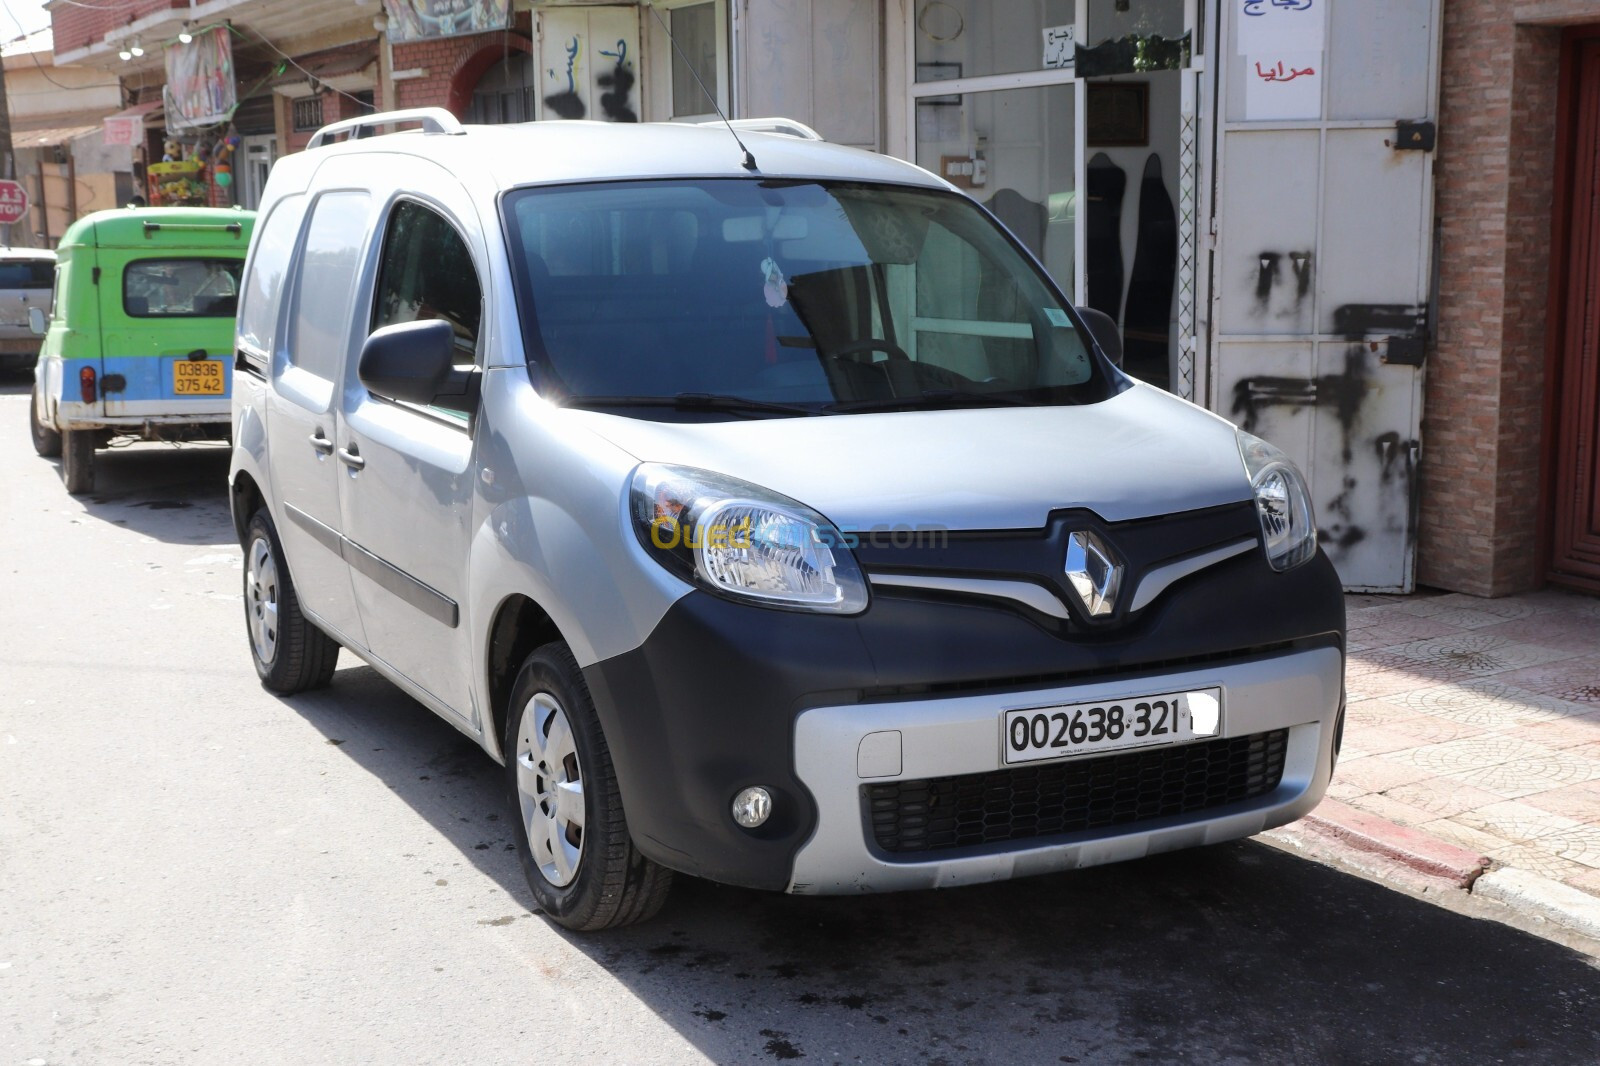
(13, 202)
(1282, 42)
(1288, 86)
(1273, 25)
(200, 89)
(416, 20)
(121, 129)
(1058, 47)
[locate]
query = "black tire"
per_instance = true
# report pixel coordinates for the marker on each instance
(294, 655)
(611, 883)
(46, 441)
(77, 460)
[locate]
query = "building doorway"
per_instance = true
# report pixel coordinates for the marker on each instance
(1575, 282)
(1066, 118)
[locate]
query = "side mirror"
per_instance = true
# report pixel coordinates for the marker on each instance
(1103, 328)
(415, 362)
(36, 321)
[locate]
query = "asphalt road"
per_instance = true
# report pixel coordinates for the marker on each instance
(194, 871)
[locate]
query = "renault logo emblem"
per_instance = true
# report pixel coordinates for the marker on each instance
(1092, 573)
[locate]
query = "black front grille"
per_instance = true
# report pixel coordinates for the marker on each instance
(1068, 797)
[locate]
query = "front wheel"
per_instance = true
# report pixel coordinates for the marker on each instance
(571, 833)
(46, 440)
(291, 654)
(77, 460)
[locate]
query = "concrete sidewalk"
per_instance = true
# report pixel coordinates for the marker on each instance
(1476, 723)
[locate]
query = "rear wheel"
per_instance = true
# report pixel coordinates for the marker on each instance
(291, 654)
(77, 460)
(46, 441)
(571, 832)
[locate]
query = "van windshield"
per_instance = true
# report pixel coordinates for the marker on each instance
(181, 288)
(753, 297)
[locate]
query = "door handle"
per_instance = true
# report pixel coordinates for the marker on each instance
(321, 443)
(352, 458)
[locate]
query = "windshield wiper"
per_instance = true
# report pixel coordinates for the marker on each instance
(691, 401)
(932, 398)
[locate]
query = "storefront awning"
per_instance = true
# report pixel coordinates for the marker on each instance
(49, 138)
(343, 70)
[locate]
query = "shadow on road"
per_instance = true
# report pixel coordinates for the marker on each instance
(16, 383)
(177, 494)
(1235, 953)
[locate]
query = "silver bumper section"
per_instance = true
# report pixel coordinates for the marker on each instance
(840, 749)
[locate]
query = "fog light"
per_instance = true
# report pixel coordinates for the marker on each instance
(752, 807)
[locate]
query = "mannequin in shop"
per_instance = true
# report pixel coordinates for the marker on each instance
(1147, 319)
(1105, 183)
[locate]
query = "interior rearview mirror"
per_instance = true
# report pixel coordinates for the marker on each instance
(1104, 331)
(415, 362)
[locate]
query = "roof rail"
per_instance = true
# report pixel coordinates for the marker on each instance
(432, 119)
(787, 127)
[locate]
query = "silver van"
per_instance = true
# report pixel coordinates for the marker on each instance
(765, 509)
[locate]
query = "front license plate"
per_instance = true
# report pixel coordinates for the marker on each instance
(1028, 734)
(198, 377)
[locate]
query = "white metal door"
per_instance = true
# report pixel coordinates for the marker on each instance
(589, 58)
(1321, 276)
(255, 158)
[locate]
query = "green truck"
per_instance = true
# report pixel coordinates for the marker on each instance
(140, 338)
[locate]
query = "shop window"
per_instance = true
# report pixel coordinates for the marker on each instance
(308, 114)
(700, 32)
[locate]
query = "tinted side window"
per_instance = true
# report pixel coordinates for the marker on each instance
(326, 287)
(263, 287)
(427, 273)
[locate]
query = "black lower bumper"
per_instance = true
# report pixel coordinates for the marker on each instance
(707, 704)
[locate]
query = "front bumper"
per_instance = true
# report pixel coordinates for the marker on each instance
(723, 696)
(841, 750)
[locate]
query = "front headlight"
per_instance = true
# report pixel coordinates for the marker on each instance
(1283, 503)
(744, 542)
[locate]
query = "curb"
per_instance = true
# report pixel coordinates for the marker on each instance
(1411, 858)
(1542, 896)
(1412, 849)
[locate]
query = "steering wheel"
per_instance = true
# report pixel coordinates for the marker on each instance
(871, 344)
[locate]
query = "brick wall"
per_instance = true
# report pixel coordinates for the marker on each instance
(81, 25)
(1483, 407)
(447, 61)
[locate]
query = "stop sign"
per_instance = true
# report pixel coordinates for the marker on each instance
(13, 202)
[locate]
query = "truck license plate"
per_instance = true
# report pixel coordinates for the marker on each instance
(198, 377)
(1031, 733)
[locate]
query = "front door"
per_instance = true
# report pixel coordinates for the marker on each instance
(1321, 277)
(408, 503)
(1575, 528)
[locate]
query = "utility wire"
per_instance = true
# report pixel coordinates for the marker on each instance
(35, 55)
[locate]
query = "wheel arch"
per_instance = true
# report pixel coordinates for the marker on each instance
(245, 498)
(520, 627)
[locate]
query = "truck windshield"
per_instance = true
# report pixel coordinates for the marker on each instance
(181, 288)
(761, 297)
